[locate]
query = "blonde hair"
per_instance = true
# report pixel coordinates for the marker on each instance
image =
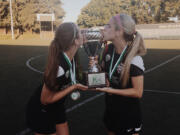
(134, 40)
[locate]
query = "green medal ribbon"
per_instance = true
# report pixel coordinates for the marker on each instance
(111, 71)
(72, 73)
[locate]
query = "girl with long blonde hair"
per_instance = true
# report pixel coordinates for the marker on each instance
(124, 65)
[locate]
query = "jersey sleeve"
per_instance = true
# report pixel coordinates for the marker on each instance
(137, 66)
(60, 71)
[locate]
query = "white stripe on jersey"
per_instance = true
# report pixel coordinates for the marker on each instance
(60, 71)
(138, 61)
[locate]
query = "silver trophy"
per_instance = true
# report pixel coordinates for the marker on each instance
(94, 76)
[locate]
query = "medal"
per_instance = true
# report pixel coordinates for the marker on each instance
(67, 74)
(74, 95)
(108, 57)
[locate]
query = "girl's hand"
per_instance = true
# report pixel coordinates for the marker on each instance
(81, 87)
(105, 89)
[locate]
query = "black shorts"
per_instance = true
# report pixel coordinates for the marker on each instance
(43, 119)
(121, 128)
(122, 115)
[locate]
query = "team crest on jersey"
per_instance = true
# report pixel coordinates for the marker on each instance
(67, 74)
(119, 68)
(108, 57)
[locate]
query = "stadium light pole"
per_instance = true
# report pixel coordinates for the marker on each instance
(12, 28)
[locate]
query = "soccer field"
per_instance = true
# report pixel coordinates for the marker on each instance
(21, 72)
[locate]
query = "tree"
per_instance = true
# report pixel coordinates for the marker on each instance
(24, 13)
(98, 12)
(4, 14)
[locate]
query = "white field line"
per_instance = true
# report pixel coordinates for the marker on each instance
(162, 64)
(162, 92)
(98, 95)
(32, 68)
(84, 102)
(27, 130)
(149, 70)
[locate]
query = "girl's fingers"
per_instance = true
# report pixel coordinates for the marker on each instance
(100, 89)
(82, 87)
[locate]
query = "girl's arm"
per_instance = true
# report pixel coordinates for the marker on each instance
(136, 91)
(48, 96)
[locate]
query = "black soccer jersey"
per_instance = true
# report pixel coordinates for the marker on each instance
(43, 118)
(122, 112)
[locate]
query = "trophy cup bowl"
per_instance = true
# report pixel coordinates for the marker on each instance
(94, 75)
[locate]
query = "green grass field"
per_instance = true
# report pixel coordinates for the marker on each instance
(160, 103)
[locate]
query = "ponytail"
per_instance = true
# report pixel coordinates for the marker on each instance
(136, 47)
(134, 41)
(51, 70)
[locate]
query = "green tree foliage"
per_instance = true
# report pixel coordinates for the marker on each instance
(24, 12)
(169, 8)
(4, 14)
(98, 12)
